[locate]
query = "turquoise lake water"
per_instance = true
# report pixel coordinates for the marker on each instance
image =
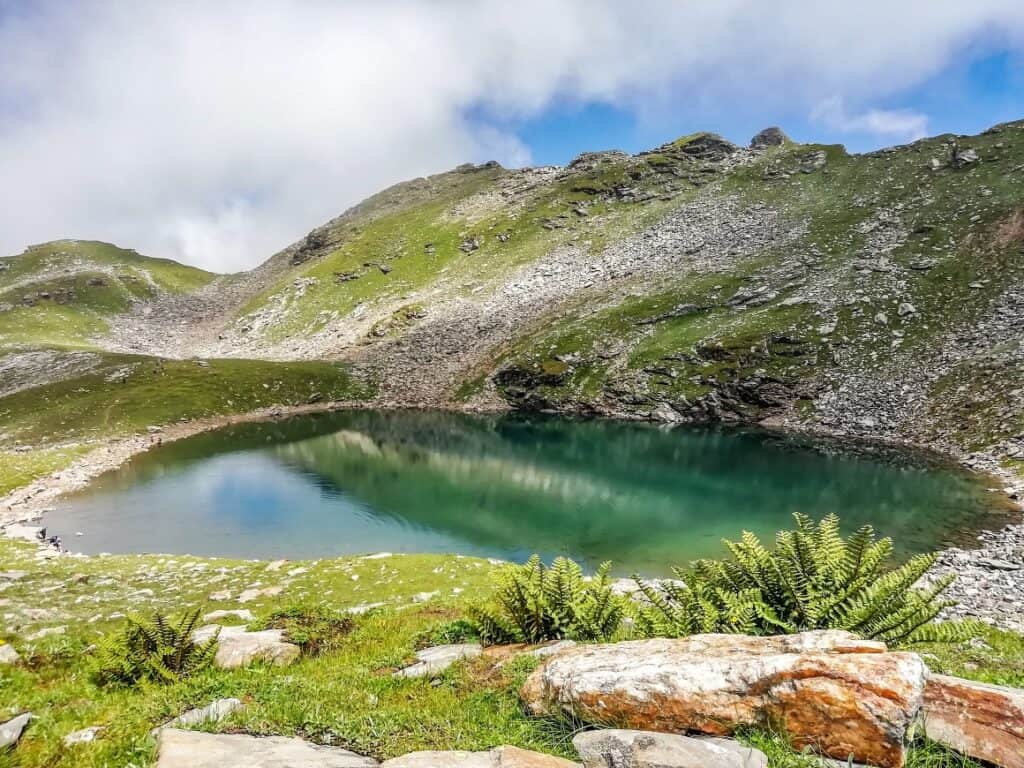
(408, 481)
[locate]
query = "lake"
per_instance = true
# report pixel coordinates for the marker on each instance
(506, 486)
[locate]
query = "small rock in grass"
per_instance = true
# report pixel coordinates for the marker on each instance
(11, 731)
(46, 632)
(8, 655)
(213, 712)
(83, 736)
(432, 661)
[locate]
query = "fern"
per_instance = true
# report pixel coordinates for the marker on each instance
(154, 649)
(534, 603)
(813, 579)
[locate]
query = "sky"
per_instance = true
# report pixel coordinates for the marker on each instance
(218, 133)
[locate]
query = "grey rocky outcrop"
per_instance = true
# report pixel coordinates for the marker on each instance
(190, 749)
(237, 647)
(613, 748)
(769, 137)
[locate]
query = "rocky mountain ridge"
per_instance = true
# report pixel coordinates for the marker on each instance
(869, 295)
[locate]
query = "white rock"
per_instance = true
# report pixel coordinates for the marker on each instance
(11, 731)
(190, 749)
(8, 655)
(431, 661)
(238, 648)
(46, 632)
(83, 736)
(213, 712)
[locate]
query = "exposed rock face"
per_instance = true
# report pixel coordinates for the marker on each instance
(500, 757)
(10, 732)
(190, 749)
(432, 661)
(983, 721)
(238, 648)
(846, 697)
(647, 749)
(769, 137)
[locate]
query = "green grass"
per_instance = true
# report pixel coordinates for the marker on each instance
(345, 695)
(63, 293)
(21, 468)
(128, 393)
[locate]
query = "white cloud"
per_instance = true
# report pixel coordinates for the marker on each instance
(897, 124)
(219, 132)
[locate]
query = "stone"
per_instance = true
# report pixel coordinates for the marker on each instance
(614, 748)
(981, 720)
(238, 648)
(213, 712)
(46, 632)
(965, 157)
(433, 661)
(83, 736)
(8, 655)
(10, 732)
(905, 309)
(847, 697)
(32, 533)
(499, 757)
(769, 137)
(13, 575)
(191, 749)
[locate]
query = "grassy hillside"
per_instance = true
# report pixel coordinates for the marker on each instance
(63, 293)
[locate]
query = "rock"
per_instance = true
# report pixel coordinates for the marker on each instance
(13, 575)
(10, 732)
(470, 244)
(191, 749)
(963, 157)
(8, 655)
(46, 632)
(905, 309)
(242, 613)
(32, 533)
(847, 697)
(213, 712)
(432, 661)
(500, 757)
(769, 137)
(648, 749)
(83, 736)
(238, 648)
(998, 564)
(980, 720)
(666, 414)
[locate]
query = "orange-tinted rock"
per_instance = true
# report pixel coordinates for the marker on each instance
(845, 697)
(980, 720)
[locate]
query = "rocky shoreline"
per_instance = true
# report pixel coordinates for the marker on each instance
(990, 578)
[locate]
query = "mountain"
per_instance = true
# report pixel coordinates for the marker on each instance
(876, 295)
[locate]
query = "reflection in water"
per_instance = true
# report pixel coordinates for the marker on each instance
(365, 481)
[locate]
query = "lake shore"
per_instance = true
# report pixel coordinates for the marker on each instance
(990, 578)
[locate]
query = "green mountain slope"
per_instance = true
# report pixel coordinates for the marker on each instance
(874, 295)
(64, 293)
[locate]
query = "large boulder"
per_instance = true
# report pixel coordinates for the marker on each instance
(238, 648)
(191, 749)
(980, 720)
(614, 748)
(846, 697)
(499, 757)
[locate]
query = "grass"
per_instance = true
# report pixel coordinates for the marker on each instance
(63, 293)
(45, 428)
(343, 693)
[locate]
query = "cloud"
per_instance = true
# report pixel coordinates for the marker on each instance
(219, 132)
(901, 124)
